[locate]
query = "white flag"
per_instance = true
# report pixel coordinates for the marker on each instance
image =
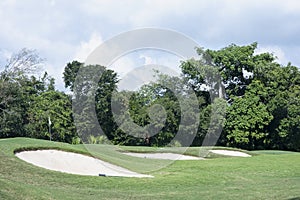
(49, 121)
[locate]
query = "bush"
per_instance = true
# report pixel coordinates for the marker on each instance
(101, 139)
(76, 140)
(174, 143)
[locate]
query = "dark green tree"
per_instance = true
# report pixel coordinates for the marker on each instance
(281, 84)
(248, 117)
(70, 73)
(92, 88)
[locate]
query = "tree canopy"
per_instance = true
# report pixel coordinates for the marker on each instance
(232, 95)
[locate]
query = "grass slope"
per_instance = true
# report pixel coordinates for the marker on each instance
(265, 176)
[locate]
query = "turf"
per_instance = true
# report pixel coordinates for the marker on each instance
(267, 175)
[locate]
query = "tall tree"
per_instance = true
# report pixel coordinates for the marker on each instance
(248, 118)
(70, 73)
(17, 87)
(92, 87)
(281, 84)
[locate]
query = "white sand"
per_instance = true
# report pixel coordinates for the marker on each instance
(230, 153)
(74, 163)
(165, 156)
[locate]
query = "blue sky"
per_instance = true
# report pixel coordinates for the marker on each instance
(64, 30)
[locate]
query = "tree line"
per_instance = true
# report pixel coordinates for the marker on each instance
(251, 99)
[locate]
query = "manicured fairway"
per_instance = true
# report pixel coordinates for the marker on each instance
(265, 175)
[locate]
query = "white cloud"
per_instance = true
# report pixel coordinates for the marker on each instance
(52, 2)
(276, 51)
(147, 59)
(4, 57)
(62, 30)
(123, 65)
(86, 48)
(5, 54)
(136, 68)
(139, 76)
(290, 6)
(144, 12)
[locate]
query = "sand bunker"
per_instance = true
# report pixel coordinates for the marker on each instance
(165, 156)
(230, 153)
(74, 163)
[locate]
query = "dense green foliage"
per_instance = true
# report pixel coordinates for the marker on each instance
(263, 109)
(27, 102)
(249, 98)
(55, 106)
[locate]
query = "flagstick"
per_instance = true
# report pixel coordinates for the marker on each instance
(49, 122)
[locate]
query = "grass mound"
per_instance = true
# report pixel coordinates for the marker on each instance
(265, 176)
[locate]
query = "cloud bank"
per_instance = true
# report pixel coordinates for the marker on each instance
(64, 30)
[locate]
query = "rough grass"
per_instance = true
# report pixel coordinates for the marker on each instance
(264, 176)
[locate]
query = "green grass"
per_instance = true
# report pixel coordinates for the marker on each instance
(273, 152)
(268, 175)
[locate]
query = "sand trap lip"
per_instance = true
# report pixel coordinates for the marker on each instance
(230, 153)
(74, 163)
(164, 156)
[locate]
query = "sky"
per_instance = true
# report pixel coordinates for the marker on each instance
(65, 30)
